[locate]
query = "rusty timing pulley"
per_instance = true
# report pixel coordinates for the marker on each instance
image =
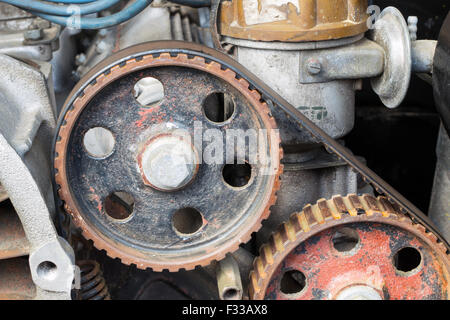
(354, 247)
(134, 184)
(192, 57)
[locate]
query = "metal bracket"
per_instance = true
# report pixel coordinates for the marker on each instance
(363, 59)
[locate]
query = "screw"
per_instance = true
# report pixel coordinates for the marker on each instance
(314, 67)
(34, 34)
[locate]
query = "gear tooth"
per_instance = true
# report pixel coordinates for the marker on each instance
(317, 213)
(260, 268)
(164, 55)
(198, 60)
(442, 247)
(431, 236)
(333, 210)
(266, 252)
(131, 62)
(290, 231)
(244, 83)
(254, 286)
(324, 209)
(230, 74)
(256, 95)
(278, 242)
(352, 211)
(182, 57)
(303, 222)
(421, 228)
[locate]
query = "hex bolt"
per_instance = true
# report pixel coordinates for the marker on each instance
(229, 279)
(314, 67)
(34, 34)
(168, 163)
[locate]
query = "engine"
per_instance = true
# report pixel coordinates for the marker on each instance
(221, 150)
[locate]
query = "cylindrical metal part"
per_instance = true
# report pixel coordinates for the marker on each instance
(229, 279)
(13, 242)
(293, 21)
(16, 283)
(440, 197)
(422, 54)
(330, 105)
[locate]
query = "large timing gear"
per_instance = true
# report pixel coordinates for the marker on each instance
(117, 194)
(354, 247)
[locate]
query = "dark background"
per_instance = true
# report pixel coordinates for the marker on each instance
(399, 144)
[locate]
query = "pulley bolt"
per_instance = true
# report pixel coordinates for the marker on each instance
(314, 67)
(168, 162)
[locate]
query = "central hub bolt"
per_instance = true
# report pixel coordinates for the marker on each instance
(359, 292)
(168, 162)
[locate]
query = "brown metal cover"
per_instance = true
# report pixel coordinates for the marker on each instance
(293, 21)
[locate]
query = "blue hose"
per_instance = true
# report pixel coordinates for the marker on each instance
(98, 23)
(62, 10)
(71, 1)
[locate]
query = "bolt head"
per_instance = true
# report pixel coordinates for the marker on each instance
(168, 163)
(314, 67)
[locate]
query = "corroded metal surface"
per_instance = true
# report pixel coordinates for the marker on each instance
(305, 244)
(293, 21)
(147, 238)
(92, 283)
(13, 242)
(16, 281)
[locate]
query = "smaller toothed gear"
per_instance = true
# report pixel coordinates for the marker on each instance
(347, 248)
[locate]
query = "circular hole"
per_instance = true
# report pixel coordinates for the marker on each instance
(148, 91)
(292, 282)
(187, 220)
(237, 175)
(218, 107)
(345, 240)
(99, 142)
(47, 270)
(407, 259)
(119, 205)
(231, 294)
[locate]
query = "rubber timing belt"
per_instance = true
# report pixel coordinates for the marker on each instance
(268, 95)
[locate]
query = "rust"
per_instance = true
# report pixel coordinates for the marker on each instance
(92, 283)
(13, 242)
(295, 21)
(91, 88)
(304, 243)
(16, 283)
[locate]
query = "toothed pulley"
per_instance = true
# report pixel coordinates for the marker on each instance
(143, 165)
(351, 248)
